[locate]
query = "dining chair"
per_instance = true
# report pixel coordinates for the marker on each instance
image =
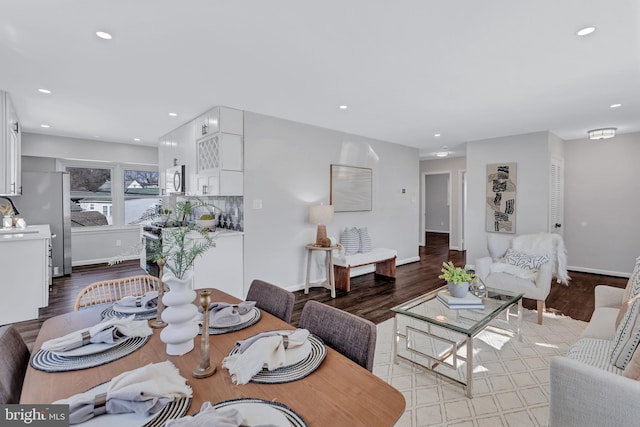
(114, 290)
(348, 334)
(272, 299)
(15, 358)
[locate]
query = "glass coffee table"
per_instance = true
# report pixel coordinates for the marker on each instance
(435, 335)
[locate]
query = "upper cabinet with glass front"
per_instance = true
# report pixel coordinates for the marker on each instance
(10, 160)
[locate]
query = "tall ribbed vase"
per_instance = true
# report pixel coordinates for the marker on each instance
(179, 313)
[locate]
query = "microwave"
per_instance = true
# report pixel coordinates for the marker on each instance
(175, 179)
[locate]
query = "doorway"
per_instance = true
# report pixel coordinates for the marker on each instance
(436, 208)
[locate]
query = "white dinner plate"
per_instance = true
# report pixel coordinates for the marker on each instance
(88, 349)
(258, 413)
(132, 310)
(243, 318)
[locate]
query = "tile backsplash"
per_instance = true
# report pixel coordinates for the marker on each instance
(229, 212)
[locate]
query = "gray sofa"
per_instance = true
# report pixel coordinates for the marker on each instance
(586, 388)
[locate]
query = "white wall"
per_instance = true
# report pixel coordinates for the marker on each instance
(287, 170)
(531, 152)
(453, 165)
(602, 204)
(95, 245)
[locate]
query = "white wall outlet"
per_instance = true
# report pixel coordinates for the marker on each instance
(257, 204)
(118, 242)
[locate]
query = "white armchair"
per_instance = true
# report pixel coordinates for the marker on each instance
(531, 283)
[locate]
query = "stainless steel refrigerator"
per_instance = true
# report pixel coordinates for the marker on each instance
(46, 199)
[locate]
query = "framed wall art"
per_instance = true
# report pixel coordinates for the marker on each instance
(501, 197)
(350, 188)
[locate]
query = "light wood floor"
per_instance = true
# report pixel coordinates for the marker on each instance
(371, 297)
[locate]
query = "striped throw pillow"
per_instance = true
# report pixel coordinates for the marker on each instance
(627, 336)
(350, 241)
(365, 240)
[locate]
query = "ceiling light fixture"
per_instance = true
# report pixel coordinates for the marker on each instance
(436, 135)
(45, 126)
(47, 91)
(585, 31)
(173, 114)
(604, 133)
(615, 105)
(442, 154)
(136, 139)
(104, 35)
(343, 107)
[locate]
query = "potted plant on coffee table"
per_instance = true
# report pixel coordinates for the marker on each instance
(458, 279)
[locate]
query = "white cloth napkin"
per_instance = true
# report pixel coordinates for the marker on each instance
(144, 391)
(148, 300)
(223, 314)
(211, 417)
(264, 350)
(108, 331)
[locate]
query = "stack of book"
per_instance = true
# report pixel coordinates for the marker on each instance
(469, 302)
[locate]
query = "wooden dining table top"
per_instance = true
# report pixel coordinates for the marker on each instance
(339, 393)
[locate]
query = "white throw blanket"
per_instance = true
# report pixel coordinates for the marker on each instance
(143, 390)
(549, 244)
(108, 331)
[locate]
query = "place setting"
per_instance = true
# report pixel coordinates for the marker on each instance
(143, 307)
(105, 342)
(275, 357)
(226, 317)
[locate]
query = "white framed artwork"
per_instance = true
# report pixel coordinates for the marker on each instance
(351, 188)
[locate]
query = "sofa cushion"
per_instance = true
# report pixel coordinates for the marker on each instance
(633, 285)
(602, 324)
(350, 241)
(376, 254)
(594, 352)
(627, 336)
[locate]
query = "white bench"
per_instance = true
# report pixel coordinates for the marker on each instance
(383, 258)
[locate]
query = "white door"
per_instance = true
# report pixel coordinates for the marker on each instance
(556, 194)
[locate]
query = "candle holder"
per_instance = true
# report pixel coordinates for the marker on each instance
(158, 322)
(205, 369)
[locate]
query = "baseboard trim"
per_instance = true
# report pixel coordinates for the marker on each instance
(103, 260)
(598, 271)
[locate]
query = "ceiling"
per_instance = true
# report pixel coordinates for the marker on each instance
(406, 69)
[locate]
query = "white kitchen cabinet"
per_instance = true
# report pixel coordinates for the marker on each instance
(221, 267)
(219, 119)
(25, 263)
(10, 148)
(219, 165)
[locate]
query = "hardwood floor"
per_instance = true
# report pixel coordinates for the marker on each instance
(371, 296)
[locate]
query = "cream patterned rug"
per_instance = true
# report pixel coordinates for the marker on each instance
(511, 378)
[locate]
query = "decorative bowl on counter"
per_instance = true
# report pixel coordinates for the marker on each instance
(209, 224)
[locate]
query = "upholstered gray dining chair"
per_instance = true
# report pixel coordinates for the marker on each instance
(348, 334)
(15, 358)
(272, 299)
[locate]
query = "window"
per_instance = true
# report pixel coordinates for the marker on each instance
(89, 187)
(141, 193)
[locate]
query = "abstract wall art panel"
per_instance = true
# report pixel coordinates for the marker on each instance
(501, 197)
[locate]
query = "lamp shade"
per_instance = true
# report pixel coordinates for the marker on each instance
(321, 214)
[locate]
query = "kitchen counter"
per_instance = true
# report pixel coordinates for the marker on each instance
(32, 232)
(25, 264)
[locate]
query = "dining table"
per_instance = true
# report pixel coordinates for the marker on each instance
(338, 393)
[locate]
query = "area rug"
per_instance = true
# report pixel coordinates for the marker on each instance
(511, 377)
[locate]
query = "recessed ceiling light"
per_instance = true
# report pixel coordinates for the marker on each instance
(343, 107)
(104, 35)
(442, 154)
(615, 105)
(136, 139)
(47, 91)
(585, 31)
(173, 114)
(436, 135)
(45, 126)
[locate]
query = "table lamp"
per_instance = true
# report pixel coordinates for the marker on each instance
(321, 215)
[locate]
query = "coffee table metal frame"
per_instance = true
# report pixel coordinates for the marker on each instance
(466, 323)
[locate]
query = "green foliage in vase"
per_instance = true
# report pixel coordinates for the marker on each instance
(454, 274)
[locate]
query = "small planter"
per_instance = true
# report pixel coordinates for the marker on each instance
(458, 290)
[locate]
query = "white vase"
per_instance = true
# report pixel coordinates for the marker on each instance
(179, 313)
(458, 290)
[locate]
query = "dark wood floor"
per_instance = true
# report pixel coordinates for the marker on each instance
(371, 296)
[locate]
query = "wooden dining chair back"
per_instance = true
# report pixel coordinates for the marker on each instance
(15, 360)
(348, 334)
(113, 290)
(272, 299)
